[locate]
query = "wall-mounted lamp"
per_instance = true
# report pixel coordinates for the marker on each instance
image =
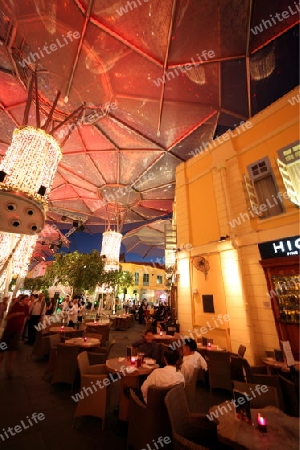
(223, 238)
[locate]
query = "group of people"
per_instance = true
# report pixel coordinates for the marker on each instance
(22, 318)
(169, 375)
(72, 310)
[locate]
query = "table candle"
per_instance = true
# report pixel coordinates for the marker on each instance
(261, 423)
(62, 328)
(133, 359)
(160, 333)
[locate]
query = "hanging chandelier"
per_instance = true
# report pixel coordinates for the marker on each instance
(26, 176)
(27, 171)
(112, 237)
(16, 249)
(111, 245)
(28, 168)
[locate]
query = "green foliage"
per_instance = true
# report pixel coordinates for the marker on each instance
(125, 280)
(80, 271)
(40, 284)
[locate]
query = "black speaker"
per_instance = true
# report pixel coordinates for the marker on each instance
(75, 223)
(2, 176)
(42, 190)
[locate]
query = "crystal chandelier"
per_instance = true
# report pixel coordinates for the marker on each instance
(111, 242)
(26, 173)
(111, 245)
(15, 249)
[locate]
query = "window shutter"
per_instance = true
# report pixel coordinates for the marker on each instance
(254, 204)
(294, 197)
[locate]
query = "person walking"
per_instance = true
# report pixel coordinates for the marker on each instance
(15, 321)
(37, 313)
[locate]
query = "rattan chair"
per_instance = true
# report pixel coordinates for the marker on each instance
(241, 351)
(65, 365)
(190, 390)
(93, 399)
(219, 372)
(268, 398)
(195, 428)
(237, 370)
(102, 353)
(269, 380)
(41, 347)
(147, 421)
(290, 397)
(252, 371)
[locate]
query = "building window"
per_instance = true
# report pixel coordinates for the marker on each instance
(136, 278)
(262, 190)
(146, 279)
(289, 168)
(159, 279)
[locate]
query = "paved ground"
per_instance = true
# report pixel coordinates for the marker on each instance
(28, 392)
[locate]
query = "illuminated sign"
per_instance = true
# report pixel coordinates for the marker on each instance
(284, 247)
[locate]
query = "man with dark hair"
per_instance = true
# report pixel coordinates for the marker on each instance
(165, 377)
(191, 359)
(147, 346)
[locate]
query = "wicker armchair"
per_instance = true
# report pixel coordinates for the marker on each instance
(268, 398)
(190, 390)
(194, 428)
(219, 372)
(65, 365)
(99, 355)
(147, 421)
(290, 397)
(92, 399)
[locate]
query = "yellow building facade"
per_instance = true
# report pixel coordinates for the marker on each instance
(149, 283)
(221, 222)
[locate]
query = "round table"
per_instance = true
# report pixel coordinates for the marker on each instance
(61, 330)
(165, 338)
(282, 430)
(129, 379)
(88, 343)
(97, 323)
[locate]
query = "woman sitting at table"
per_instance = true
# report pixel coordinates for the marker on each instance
(147, 346)
(191, 360)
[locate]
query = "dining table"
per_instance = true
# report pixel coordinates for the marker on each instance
(83, 342)
(164, 338)
(62, 329)
(129, 375)
(280, 365)
(280, 432)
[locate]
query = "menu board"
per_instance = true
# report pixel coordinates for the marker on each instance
(242, 406)
(286, 347)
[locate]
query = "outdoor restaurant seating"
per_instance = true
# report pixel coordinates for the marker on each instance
(219, 372)
(193, 427)
(94, 403)
(65, 365)
(267, 398)
(147, 421)
(290, 396)
(100, 353)
(190, 389)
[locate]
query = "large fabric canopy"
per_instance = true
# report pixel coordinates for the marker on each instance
(158, 79)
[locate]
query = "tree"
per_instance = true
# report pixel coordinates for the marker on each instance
(40, 284)
(82, 272)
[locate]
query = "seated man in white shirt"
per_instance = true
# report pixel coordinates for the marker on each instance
(191, 360)
(165, 377)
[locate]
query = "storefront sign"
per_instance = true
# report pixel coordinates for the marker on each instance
(277, 249)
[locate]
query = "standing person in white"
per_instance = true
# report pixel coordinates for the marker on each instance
(73, 314)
